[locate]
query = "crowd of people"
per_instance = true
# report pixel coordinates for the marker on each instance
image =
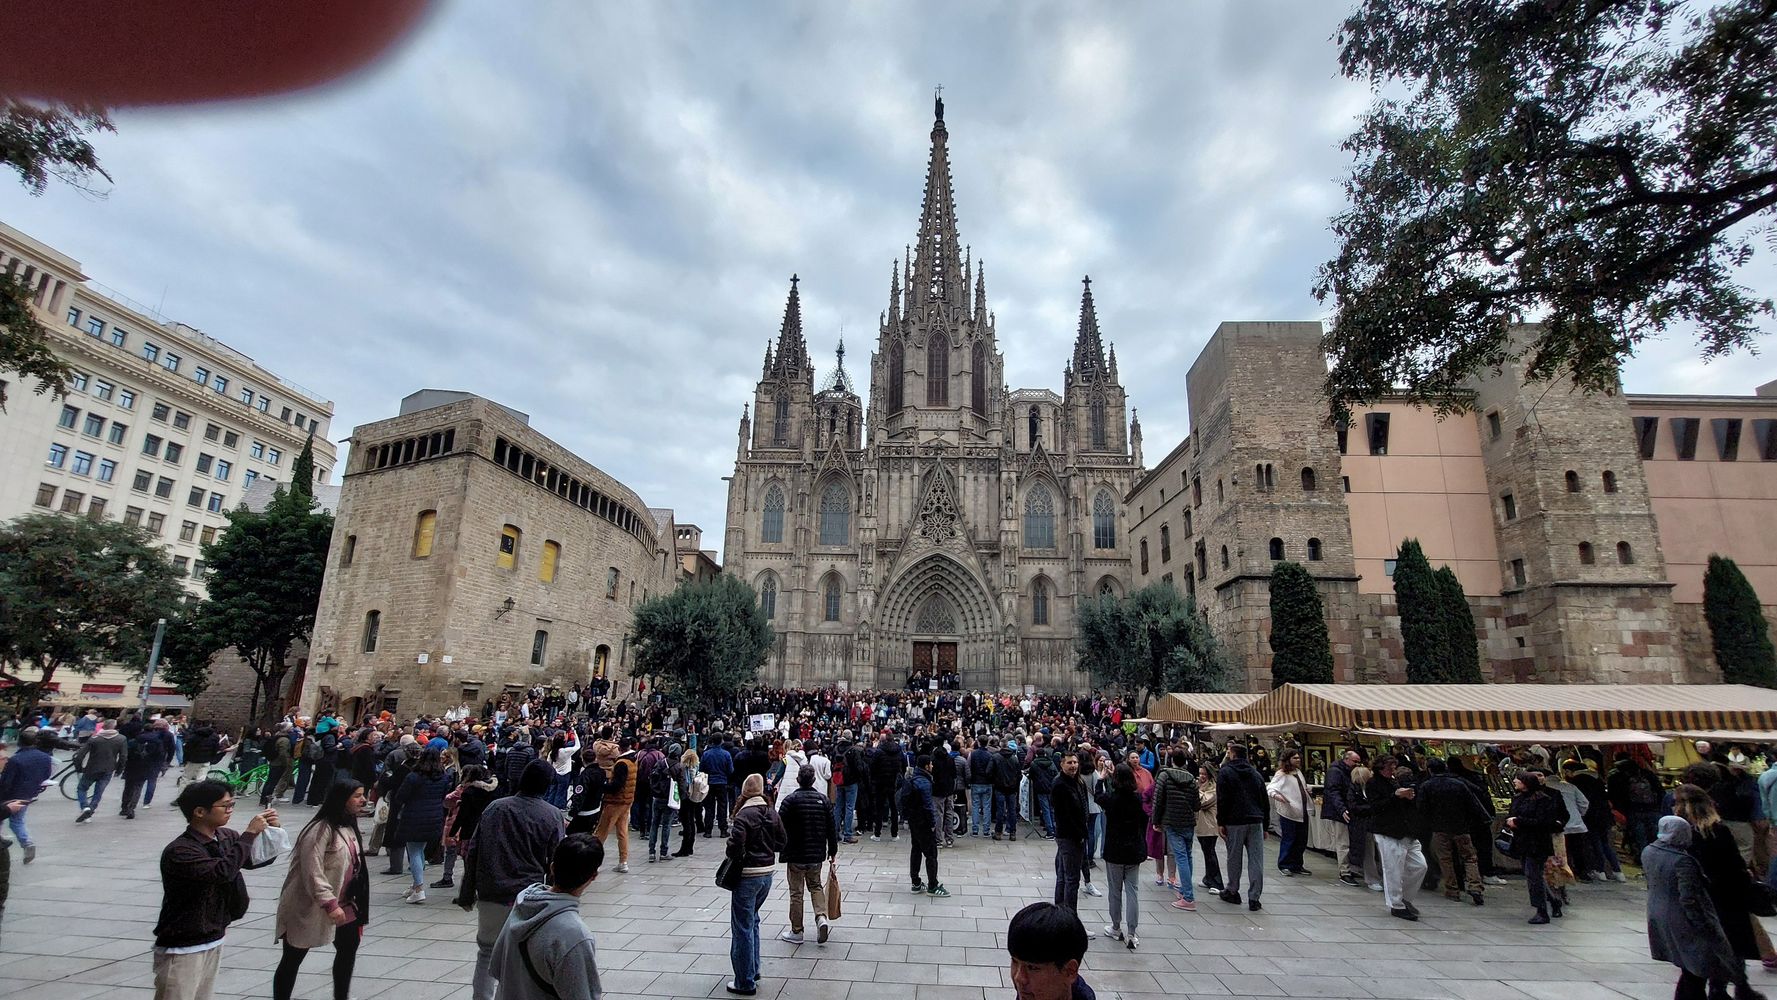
(526, 795)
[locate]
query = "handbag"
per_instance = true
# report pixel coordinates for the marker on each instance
(1761, 900)
(833, 908)
(728, 874)
(1505, 844)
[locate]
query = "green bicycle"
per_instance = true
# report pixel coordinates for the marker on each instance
(242, 782)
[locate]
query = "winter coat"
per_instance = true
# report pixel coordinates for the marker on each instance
(476, 796)
(1008, 774)
(517, 759)
(103, 754)
(1043, 772)
(982, 766)
(1448, 805)
(1390, 815)
(1067, 802)
(472, 752)
(421, 801)
(1125, 826)
(321, 865)
(1730, 887)
(1683, 926)
(1597, 818)
(1240, 794)
(1540, 815)
(1206, 811)
(203, 746)
(1575, 803)
(718, 766)
(887, 763)
(755, 836)
(1337, 792)
(810, 834)
(943, 772)
(1176, 800)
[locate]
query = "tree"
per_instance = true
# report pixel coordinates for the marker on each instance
(264, 583)
(40, 142)
(1606, 163)
(1417, 600)
(703, 642)
(1301, 652)
(77, 593)
(1149, 643)
(1737, 628)
(302, 474)
(1464, 653)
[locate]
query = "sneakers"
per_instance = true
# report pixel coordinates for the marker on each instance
(1496, 880)
(938, 891)
(418, 895)
(743, 991)
(1184, 904)
(1091, 890)
(622, 866)
(1406, 914)
(918, 887)
(1300, 871)
(1112, 933)
(85, 814)
(793, 937)
(1254, 905)
(896, 838)
(1540, 918)
(30, 853)
(1131, 941)
(445, 883)
(875, 838)
(1350, 878)
(1229, 896)
(822, 929)
(1616, 877)
(652, 858)
(1375, 886)
(1286, 872)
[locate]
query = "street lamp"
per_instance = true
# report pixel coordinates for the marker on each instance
(160, 631)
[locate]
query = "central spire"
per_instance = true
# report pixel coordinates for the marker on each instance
(792, 351)
(937, 263)
(1088, 346)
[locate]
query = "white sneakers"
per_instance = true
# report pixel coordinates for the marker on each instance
(622, 866)
(822, 929)
(790, 936)
(1091, 890)
(415, 895)
(1112, 933)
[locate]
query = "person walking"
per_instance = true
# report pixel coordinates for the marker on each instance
(143, 762)
(1175, 817)
(277, 763)
(544, 950)
(202, 890)
(1450, 811)
(1683, 924)
(1536, 817)
(810, 838)
(755, 838)
(512, 849)
(1125, 849)
(1730, 885)
(1068, 812)
(202, 751)
(1208, 829)
(22, 780)
(326, 894)
(1289, 795)
(1394, 824)
(620, 793)
(421, 801)
(1240, 817)
(462, 816)
(98, 760)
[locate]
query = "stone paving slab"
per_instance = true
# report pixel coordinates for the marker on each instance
(81, 919)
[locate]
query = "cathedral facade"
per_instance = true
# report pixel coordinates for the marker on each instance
(948, 524)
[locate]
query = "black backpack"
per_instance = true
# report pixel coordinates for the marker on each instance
(660, 782)
(1641, 791)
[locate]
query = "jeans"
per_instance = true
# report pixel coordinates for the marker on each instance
(17, 822)
(1179, 842)
(1294, 842)
(1070, 860)
(97, 783)
(1603, 851)
(345, 955)
(743, 925)
(1125, 894)
(1403, 869)
(1212, 869)
(660, 827)
(274, 776)
(716, 807)
(416, 862)
(1539, 887)
(1094, 837)
(845, 806)
(148, 784)
(1005, 812)
(1642, 829)
(1045, 812)
(980, 810)
(1246, 840)
(304, 770)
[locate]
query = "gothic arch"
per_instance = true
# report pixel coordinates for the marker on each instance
(1042, 506)
(938, 369)
(897, 375)
(772, 512)
(835, 503)
(767, 586)
(963, 593)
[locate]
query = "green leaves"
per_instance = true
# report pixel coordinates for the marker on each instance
(1737, 627)
(1605, 164)
(76, 593)
(1301, 652)
(1437, 627)
(1149, 643)
(701, 642)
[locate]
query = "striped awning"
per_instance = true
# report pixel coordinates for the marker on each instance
(1648, 708)
(1200, 707)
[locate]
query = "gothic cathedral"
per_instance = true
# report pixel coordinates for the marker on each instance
(951, 526)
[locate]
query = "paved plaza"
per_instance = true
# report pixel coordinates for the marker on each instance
(80, 925)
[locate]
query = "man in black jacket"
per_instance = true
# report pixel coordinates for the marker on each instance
(202, 890)
(1005, 793)
(944, 790)
(982, 766)
(1393, 820)
(1241, 805)
(810, 839)
(1067, 804)
(888, 762)
(1335, 808)
(513, 847)
(1043, 772)
(1450, 811)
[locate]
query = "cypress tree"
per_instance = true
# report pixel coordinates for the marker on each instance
(1417, 601)
(1301, 651)
(302, 474)
(1459, 629)
(1737, 627)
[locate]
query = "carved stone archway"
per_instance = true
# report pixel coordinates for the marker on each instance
(937, 598)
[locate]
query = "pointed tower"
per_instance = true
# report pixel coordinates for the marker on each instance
(1092, 398)
(839, 413)
(785, 396)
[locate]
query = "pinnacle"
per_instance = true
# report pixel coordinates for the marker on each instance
(1089, 356)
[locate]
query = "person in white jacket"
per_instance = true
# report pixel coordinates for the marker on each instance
(1289, 796)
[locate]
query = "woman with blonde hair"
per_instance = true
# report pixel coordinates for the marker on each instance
(689, 762)
(755, 836)
(1730, 885)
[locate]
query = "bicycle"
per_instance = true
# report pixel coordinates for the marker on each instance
(68, 780)
(247, 782)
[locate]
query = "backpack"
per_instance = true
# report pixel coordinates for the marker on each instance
(839, 773)
(137, 750)
(1641, 791)
(311, 750)
(660, 782)
(700, 787)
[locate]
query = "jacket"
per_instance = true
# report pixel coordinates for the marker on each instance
(943, 771)
(717, 766)
(1289, 795)
(919, 807)
(1682, 924)
(321, 865)
(755, 836)
(24, 775)
(1540, 815)
(1390, 815)
(473, 799)
(982, 766)
(1007, 774)
(810, 834)
(421, 801)
(1240, 794)
(512, 768)
(1336, 793)
(103, 754)
(1448, 805)
(1730, 887)
(1175, 800)
(545, 927)
(887, 762)
(202, 890)
(1597, 818)
(620, 788)
(1125, 826)
(1043, 772)
(1206, 811)
(513, 848)
(1574, 801)
(147, 754)
(472, 752)
(1067, 801)
(203, 746)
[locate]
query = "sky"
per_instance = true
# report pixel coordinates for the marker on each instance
(591, 212)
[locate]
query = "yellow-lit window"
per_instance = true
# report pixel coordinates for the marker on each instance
(423, 532)
(551, 555)
(509, 536)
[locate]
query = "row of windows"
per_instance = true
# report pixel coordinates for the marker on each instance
(527, 466)
(413, 449)
(1039, 519)
(1726, 431)
(425, 536)
(833, 594)
(1588, 557)
(94, 424)
(154, 521)
(81, 463)
(216, 381)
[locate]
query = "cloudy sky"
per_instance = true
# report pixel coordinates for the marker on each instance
(590, 212)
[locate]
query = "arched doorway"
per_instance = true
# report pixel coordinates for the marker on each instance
(937, 616)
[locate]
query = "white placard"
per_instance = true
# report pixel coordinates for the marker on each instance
(761, 723)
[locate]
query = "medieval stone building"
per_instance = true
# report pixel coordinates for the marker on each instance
(951, 524)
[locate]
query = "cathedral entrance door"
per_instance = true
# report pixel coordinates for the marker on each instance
(934, 658)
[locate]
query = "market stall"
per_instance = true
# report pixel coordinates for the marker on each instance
(1201, 708)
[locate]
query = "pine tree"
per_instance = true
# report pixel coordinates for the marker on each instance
(1459, 629)
(1737, 627)
(302, 474)
(1301, 651)
(1422, 620)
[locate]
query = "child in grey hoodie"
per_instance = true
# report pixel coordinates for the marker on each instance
(544, 952)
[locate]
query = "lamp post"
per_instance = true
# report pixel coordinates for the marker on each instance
(160, 631)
